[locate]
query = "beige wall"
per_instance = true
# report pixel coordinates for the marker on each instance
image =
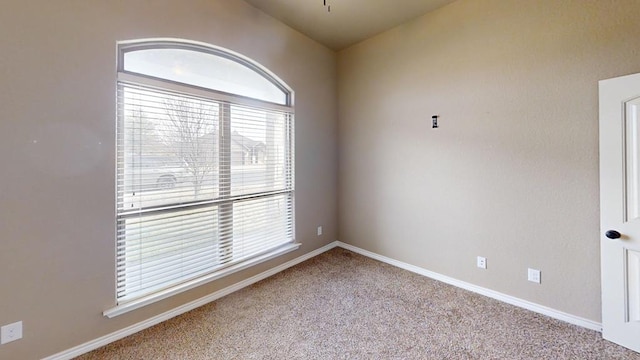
(57, 134)
(512, 173)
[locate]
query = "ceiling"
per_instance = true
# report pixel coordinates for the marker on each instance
(349, 21)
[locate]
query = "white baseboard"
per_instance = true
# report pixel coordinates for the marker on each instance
(117, 335)
(572, 319)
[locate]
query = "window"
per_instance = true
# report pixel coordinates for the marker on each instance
(204, 167)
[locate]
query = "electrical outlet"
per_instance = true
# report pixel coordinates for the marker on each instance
(11, 332)
(319, 230)
(482, 262)
(534, 275)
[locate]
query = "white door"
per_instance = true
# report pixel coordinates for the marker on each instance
(620, 209)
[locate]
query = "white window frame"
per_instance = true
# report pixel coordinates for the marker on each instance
(125, 78)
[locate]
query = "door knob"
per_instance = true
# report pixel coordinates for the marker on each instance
(612, 234)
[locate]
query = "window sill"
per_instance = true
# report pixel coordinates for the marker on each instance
(150, 299)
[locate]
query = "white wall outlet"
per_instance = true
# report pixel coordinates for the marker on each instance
(482, 262)
(11, 332)
(534, 275)
(319, 230)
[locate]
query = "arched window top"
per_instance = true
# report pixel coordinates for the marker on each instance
(203, 66)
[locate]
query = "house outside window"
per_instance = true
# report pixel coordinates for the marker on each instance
(205, 182)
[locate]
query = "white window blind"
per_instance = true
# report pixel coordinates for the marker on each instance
(203, 183)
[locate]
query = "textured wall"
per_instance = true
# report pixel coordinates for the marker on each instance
(57, 140)
(512, 173)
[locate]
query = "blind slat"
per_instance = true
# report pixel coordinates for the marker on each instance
(190, 199)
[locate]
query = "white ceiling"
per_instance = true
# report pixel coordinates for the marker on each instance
(350, 21)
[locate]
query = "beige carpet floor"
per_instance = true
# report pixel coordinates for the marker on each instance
(341, 305)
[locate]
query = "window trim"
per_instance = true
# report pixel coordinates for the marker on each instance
(161, 295)
(132, 78)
